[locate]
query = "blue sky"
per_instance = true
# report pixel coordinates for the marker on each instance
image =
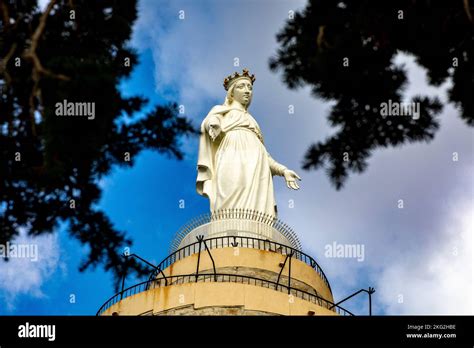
(424, 248)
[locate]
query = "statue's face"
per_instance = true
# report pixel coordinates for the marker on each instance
(243, 91)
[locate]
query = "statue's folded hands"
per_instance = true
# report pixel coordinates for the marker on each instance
(213, 127)
(214, 131)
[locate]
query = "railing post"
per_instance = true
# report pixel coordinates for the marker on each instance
(156, 268)
(212, 259)
(370, 292)
(199, 238)
(279, 274)
(123, 281)
(289, 273)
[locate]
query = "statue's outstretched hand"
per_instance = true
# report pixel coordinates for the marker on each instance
(214, 131)
(290, 177)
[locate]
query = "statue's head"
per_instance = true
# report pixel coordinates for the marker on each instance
(239, 87)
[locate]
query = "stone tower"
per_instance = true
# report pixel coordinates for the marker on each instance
(231, 262)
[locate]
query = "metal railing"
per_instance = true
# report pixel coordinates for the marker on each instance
(244, 242)
(221, 277)
(236, 214)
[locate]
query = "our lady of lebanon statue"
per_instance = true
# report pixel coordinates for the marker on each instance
(234, 168)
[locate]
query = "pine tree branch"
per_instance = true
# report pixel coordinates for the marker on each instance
(38, 69)
(5, 13)
(4, 63)
(467, 9)
(30, 53)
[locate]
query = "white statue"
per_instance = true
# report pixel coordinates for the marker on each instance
(234, 168)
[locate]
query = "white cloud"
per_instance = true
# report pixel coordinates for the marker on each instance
(22, 276)
(436, 280)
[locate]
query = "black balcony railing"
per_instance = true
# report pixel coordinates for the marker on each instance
(220, 277)
(243, 242)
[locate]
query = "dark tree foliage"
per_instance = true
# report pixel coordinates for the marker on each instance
(314, 44)
(46, 58)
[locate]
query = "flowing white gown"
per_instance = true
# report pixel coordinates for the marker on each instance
(235, 170)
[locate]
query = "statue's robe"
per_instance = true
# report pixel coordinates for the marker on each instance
(235, 170)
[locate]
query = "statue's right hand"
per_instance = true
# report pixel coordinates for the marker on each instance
(214, 131)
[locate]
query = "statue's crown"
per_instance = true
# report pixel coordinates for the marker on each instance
(231, 78)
